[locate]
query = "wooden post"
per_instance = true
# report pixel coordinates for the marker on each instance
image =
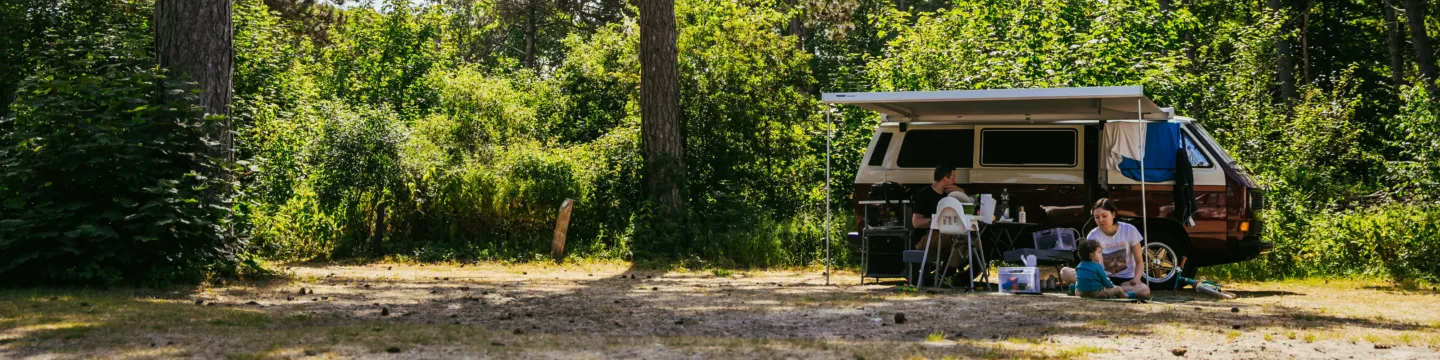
(562, 226)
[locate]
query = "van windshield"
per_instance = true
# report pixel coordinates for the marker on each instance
(1220, 152)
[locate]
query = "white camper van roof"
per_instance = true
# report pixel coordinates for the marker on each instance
(1045, 105)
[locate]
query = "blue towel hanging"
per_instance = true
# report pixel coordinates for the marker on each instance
(1162, 140)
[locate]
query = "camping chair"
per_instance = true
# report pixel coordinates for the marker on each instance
(950, 218)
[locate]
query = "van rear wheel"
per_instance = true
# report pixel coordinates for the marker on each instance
(1162, 265)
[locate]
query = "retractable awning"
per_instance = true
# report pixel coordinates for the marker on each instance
(1008, 105)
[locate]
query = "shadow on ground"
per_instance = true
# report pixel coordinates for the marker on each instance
(605, 311)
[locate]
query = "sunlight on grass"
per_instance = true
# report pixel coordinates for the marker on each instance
(1309, 338)
(1269, 337)
(1232, 335)
(1098, 322)
(1024, 341)
(937, 336)
(1078, 352)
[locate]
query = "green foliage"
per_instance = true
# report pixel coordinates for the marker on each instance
(1388, 241)
(384, 58)
(106, 171)
(413, 128)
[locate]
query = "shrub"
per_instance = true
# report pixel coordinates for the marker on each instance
(106, 173)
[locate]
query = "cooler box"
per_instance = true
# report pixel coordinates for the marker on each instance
(1019, 280)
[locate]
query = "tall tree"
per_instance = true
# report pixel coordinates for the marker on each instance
(1424, 55)
(660, 107)
(194, 40)
(1284, 65)
(1394, 39)
(1164, 17)
(1305, 44)
(530, 34)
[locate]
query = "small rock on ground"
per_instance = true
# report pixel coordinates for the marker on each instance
(1180, 351)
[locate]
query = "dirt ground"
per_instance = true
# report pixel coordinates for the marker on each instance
(612, 310)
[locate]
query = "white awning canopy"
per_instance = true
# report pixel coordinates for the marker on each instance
(1008, 105)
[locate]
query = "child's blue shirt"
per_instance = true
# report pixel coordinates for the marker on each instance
(1090, 277)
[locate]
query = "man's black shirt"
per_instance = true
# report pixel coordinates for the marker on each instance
(923, 201)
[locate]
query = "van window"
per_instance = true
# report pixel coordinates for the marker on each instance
(1028, 147)
(1197, 157)
(930, 148)
(882, 146)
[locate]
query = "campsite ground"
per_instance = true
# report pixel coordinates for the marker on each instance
(612, 310)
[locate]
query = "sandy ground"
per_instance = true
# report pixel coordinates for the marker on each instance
(610, 310)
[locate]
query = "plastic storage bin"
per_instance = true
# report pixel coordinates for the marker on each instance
(1055, 239)
(1019, 280)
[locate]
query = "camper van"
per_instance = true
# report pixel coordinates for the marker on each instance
(1047, 149)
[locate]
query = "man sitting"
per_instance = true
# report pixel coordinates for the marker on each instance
(924, 202)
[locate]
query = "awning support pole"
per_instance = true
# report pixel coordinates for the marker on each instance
(1144, 201)
(829, 129)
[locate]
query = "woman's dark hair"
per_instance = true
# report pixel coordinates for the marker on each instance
(1107, 204)
(1085, 248)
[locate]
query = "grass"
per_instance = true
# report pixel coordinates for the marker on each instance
(118, 323)
(122, 322)
(937, 336)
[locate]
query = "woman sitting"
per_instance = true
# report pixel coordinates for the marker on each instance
(1120, 250)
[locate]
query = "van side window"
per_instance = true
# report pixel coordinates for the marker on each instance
(929, 148)
(1028, 147)
(1197, 157)
(882, 146)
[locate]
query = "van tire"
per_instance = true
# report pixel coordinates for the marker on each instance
(1170, 252)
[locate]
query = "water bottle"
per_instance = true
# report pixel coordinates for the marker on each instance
(1005, 204)
(1022, 213)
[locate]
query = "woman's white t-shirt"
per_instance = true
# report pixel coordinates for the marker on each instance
(1115, 250)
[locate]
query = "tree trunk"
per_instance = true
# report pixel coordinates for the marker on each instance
(1424, 55)
(1394, 38)
(1305, 46)
(378, 233)
(193, 40)
(1284, 66)
(1190, 45)
(660, 107)
(797, 26)
(1164, 17)
(530, 34)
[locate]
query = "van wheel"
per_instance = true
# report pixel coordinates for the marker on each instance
(1161, 265)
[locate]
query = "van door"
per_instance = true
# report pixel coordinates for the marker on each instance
(1207, 235)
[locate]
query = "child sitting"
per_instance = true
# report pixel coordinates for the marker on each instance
(1089, 277)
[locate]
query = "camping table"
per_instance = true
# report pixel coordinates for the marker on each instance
(1003, 234)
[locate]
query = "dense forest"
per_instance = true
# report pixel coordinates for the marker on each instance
(452, 129)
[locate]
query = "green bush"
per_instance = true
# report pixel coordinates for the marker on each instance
(106, 173)
(1394, 241)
